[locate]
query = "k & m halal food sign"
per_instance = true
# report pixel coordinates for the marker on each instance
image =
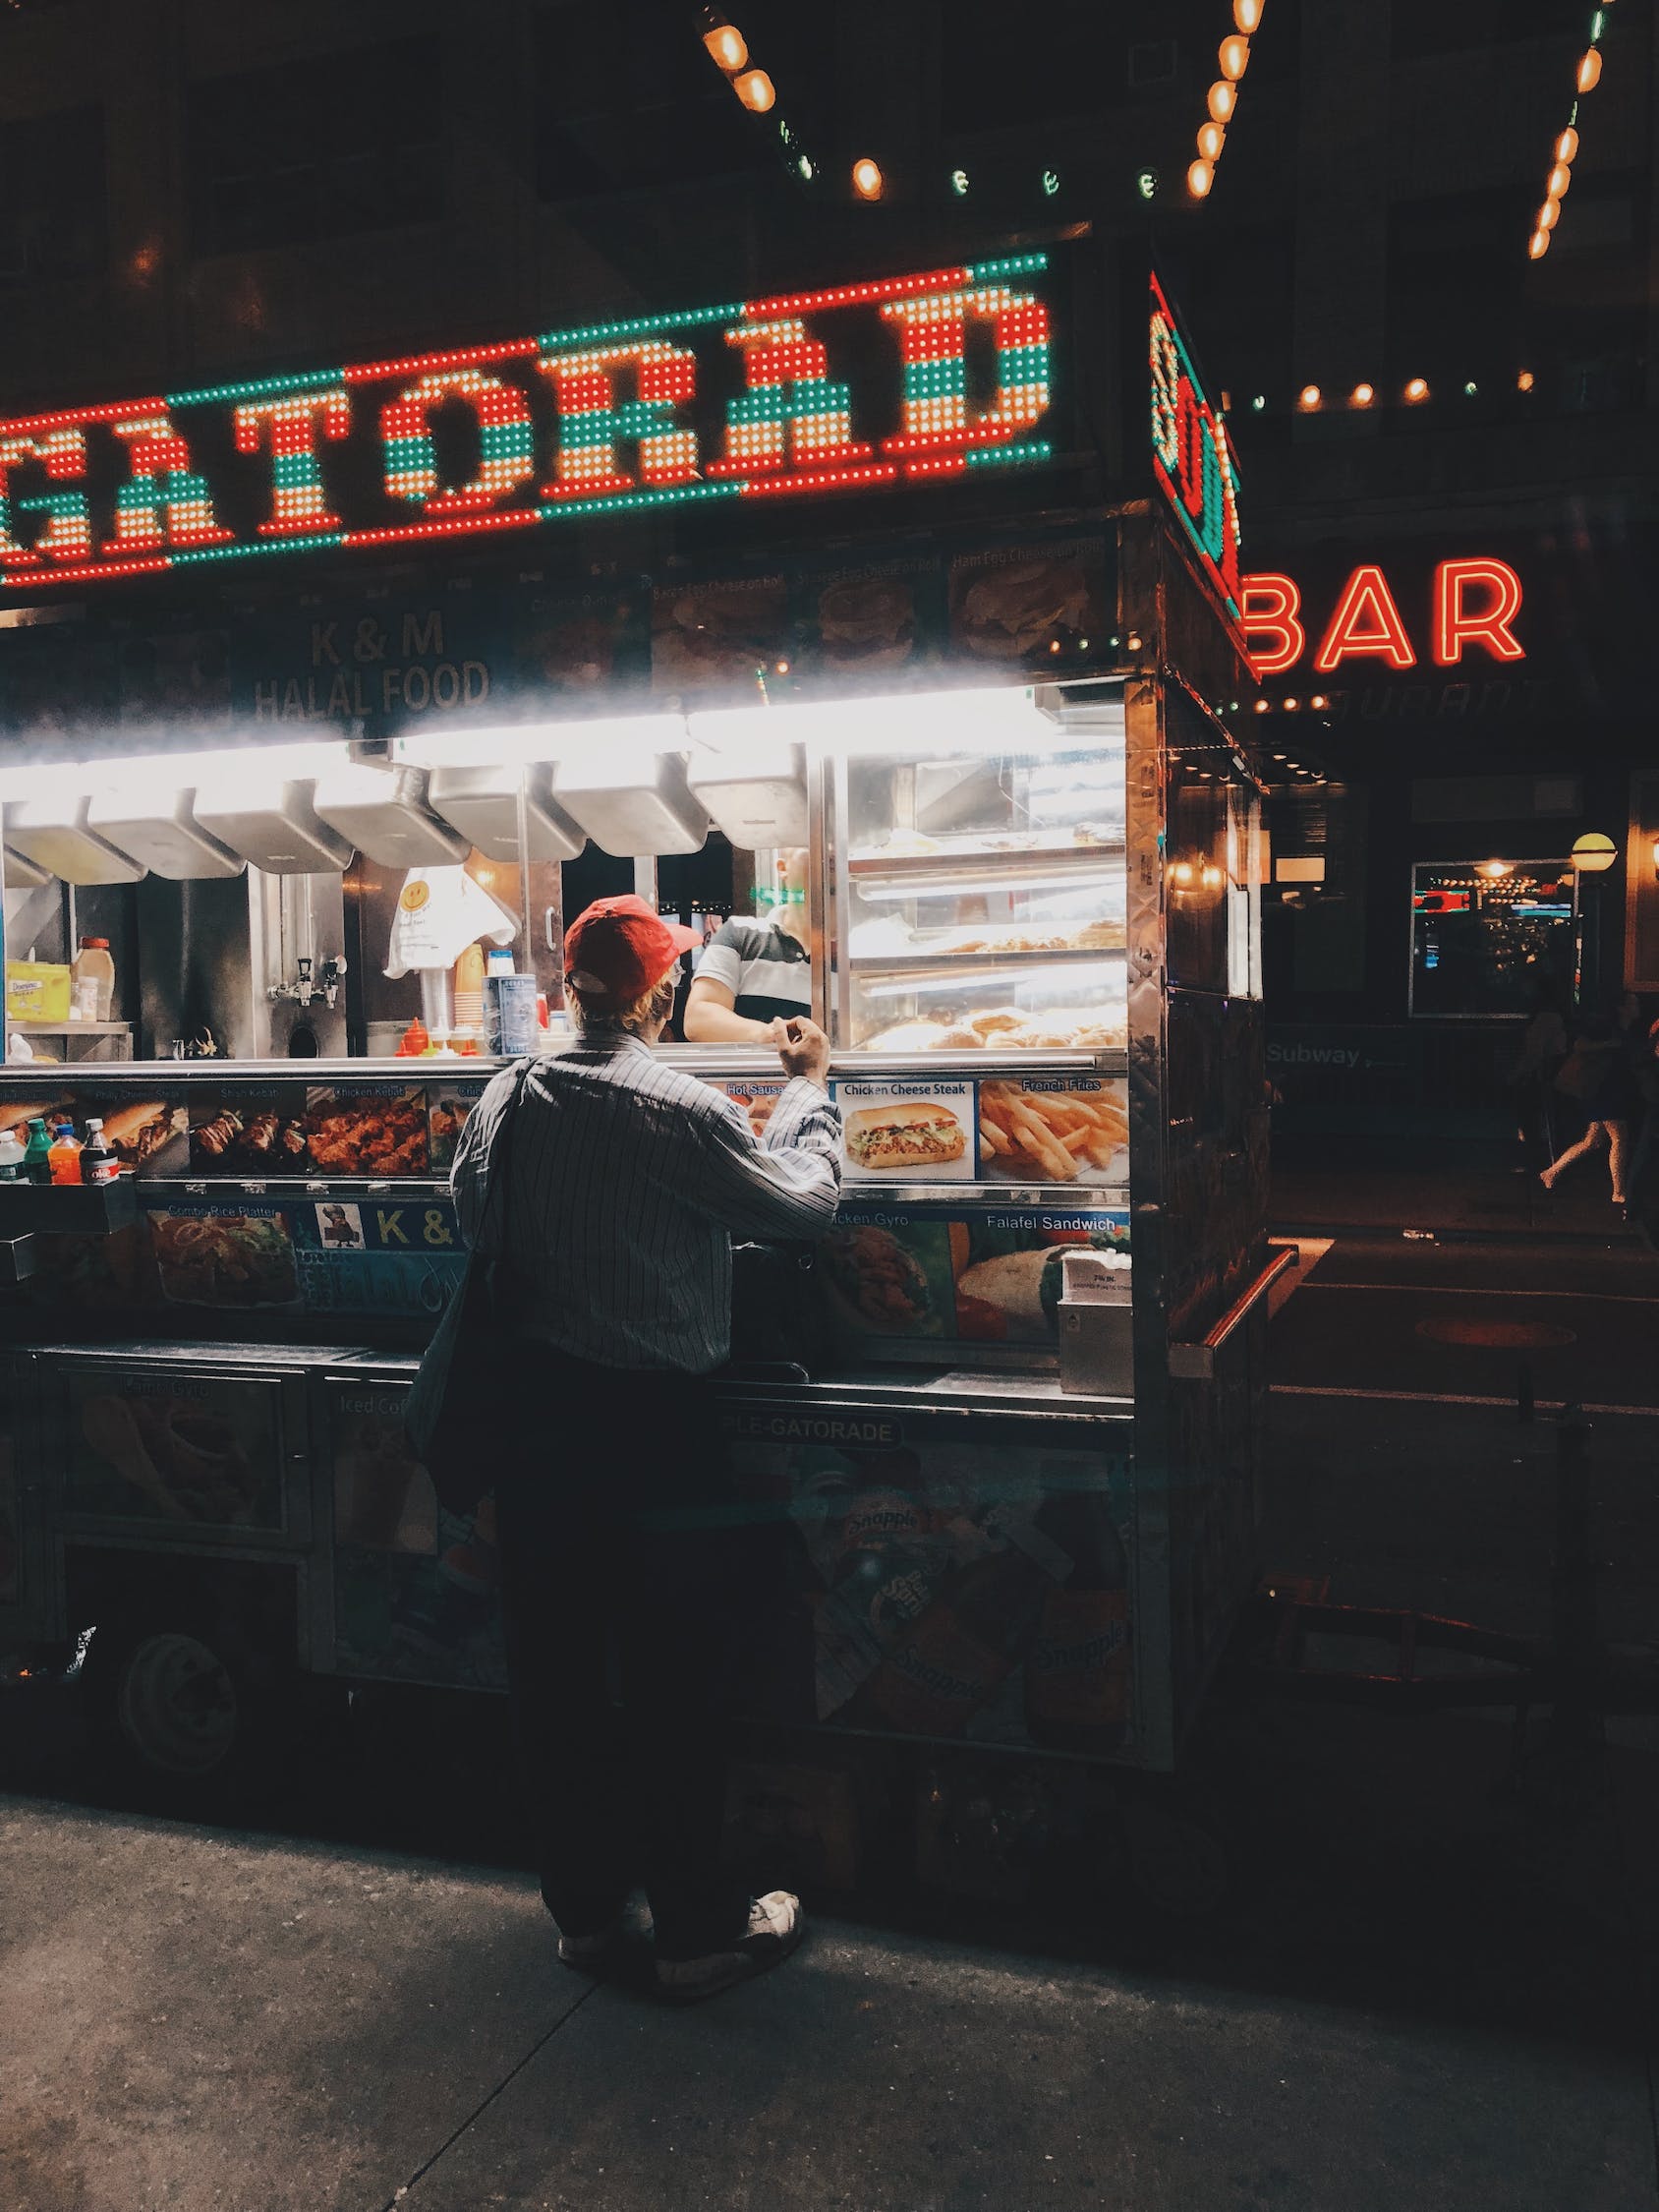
(913, 380)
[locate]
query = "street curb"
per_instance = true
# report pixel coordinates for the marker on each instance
(1629, 1239)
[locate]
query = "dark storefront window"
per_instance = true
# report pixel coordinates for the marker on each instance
(1488, 937)
(52, 196)
(316, 148)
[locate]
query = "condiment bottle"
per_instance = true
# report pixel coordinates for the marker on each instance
(414, 1040)
(93, 963)
(64, 1157)
(37, 1154)
(98, 1163)
(11, 1156)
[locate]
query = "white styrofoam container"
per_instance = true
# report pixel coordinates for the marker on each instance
(756, 794)
(53, 833)
(270, 819)
(482, 802)
(162, 830)
(383, 812)
(632, 804)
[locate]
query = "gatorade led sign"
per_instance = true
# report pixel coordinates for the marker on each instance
(755, 399)
(1190, 455)
(1472, 606)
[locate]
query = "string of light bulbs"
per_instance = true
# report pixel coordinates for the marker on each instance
(728, 50)
(1414, 391)
(1232, 59)
(1586, 76)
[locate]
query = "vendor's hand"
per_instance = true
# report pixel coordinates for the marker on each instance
(805, 1050)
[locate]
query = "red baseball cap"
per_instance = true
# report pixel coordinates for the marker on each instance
(617, 950)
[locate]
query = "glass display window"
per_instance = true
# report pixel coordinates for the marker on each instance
(1489, 936)
(983, 897)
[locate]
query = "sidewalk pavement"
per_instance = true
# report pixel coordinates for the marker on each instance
(1482, 1196)
(201, 2021)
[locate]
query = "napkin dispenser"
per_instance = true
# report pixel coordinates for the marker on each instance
(1096, 1316)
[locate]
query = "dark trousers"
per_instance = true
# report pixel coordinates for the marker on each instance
(620, 1568)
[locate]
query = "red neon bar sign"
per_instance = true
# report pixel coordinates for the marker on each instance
(1472, 601)
(536, 430)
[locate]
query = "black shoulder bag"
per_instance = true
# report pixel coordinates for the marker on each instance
(468, 1370)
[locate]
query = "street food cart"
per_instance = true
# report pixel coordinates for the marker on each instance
(977, 656)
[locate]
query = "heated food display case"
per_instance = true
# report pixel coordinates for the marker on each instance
(1019, 1474)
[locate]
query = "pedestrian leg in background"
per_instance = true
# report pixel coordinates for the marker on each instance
(1619, 1149)
(1593, 1139)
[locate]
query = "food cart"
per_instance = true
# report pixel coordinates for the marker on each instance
(979, 665)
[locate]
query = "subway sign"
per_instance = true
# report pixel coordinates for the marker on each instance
(910, 380)
(1471, 606)
(1191, 460)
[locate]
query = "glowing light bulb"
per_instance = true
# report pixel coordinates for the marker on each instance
(1470, 389)
(1318, 701)
(756, 89)
(1247, 14)
(1589, 69)
(867, 178)
(1258, 403)
(1558, 181)
(1289, 705)
(1222, 100)
(1211, 139)
(1567, 146)
(1232, 57)
(1307, 399)
(1265, 706)
(1548, 215)
(1526, 381)
(960, 183)
(727, 46)
(1050, 183)
(1538, 245)
(1417, 390)
(1364, 394)
(1200, 176)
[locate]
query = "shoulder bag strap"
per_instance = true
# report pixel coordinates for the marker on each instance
(500, 1154)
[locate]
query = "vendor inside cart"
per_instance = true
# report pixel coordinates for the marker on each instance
(756, 976)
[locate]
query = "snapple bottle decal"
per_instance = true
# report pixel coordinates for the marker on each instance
(1077, 1674)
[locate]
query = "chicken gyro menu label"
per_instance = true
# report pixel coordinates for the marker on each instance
(920, 1130)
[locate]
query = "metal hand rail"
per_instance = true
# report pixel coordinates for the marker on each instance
(1196, 1361)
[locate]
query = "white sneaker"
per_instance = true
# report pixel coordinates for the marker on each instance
(776, 1925)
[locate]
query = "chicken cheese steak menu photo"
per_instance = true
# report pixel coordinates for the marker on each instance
(183, 1448)
(898, 1130)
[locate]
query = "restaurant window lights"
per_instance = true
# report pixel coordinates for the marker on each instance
(1490, 936)
(283, 155)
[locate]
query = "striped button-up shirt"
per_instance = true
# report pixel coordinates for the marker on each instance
(628, 1179)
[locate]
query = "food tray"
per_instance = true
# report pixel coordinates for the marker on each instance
(958, 965)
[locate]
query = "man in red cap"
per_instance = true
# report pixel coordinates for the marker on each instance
(626, 1180)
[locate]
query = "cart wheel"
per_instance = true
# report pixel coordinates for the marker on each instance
(178, 1706)
(1178, 1867)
